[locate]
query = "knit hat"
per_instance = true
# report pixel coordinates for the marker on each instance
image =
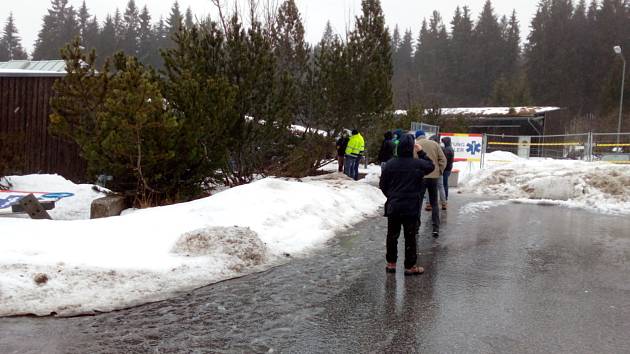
(420, 133)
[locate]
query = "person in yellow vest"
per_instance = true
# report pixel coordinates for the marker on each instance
(354, 152)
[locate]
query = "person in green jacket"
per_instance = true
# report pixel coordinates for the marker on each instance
(354, 152)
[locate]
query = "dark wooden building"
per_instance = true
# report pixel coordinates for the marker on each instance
(532, 121)
(24, 121)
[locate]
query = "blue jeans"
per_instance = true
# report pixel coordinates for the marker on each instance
(446, 175)
(351, 167)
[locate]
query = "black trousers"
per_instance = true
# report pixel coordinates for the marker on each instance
(431, 185)
(410, 225)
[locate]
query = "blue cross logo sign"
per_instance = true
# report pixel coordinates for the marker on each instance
(473, 148)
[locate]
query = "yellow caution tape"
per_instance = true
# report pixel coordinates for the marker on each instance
(611, 145)
(535, 144)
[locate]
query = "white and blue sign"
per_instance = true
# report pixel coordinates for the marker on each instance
(9, 198)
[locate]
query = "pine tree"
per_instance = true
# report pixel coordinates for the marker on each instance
(370, 51)
(59, 27)
(147, 41)
(332, 82)
(108, 38)
(84, 19)
(461, 82)
(404, 81)
(130, 31)
(487, 55)
(175, 19)
(196, 87)
(292, 55)
(11, 43)
(189, 21)
(91, 34)
(432, 59)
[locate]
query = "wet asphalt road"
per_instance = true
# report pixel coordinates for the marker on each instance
(510, 279)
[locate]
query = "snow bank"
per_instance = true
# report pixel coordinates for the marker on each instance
(497, 158)
(76, 207)
(590, 185)
(86, 266)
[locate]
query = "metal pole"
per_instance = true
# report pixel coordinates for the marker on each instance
(623, 84)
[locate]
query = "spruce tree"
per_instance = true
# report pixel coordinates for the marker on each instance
(108, 39)
(175, 19)
(11, 43)
(189, 21)
(292, 55)
(332, 83)
(460, 81)
(147, 43)
(91, 34)
(130, 32)
(60, 27)
(487, 55)
(84, 19)
(370, 53)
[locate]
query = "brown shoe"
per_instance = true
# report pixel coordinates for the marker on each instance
(428, 207)
(390, 268)
(415, 270)
(444, 205)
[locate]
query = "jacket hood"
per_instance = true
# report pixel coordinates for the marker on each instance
(447, 141)
(406, 145)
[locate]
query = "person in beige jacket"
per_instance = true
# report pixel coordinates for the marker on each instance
(430, 181)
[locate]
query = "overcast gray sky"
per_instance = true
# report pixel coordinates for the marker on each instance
(406, 13)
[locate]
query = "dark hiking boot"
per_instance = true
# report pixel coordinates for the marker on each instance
(436, 233)
(428, 207)
(415, 270)
(390, 268)
(444, 205)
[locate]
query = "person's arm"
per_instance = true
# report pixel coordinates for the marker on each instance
(426, 165)
(441, 160)
(383, 184)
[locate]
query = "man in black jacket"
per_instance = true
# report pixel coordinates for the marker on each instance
(400, 182)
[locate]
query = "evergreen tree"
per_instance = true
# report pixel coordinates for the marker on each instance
(404, 80)
(432, 55)
(487, 56)
(370, 58)
(292, 55)
(147, 41)
(460, 81)
(91, 34)
(108, 41)
(130, 31)
(332, 82)
(59, 27)
(84, 19)
(189, 20)
(396, 39)
(11, 43)
(198, 90)
(175, 19)
(512, 39)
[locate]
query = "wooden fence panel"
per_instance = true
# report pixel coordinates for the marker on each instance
(24, 110)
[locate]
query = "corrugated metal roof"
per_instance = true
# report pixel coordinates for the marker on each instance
(53, 66)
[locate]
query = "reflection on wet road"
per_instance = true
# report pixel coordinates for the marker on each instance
(514, 278)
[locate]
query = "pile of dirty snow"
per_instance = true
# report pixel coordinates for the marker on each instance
(86, 266)
(76, 207)
(590, 185)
